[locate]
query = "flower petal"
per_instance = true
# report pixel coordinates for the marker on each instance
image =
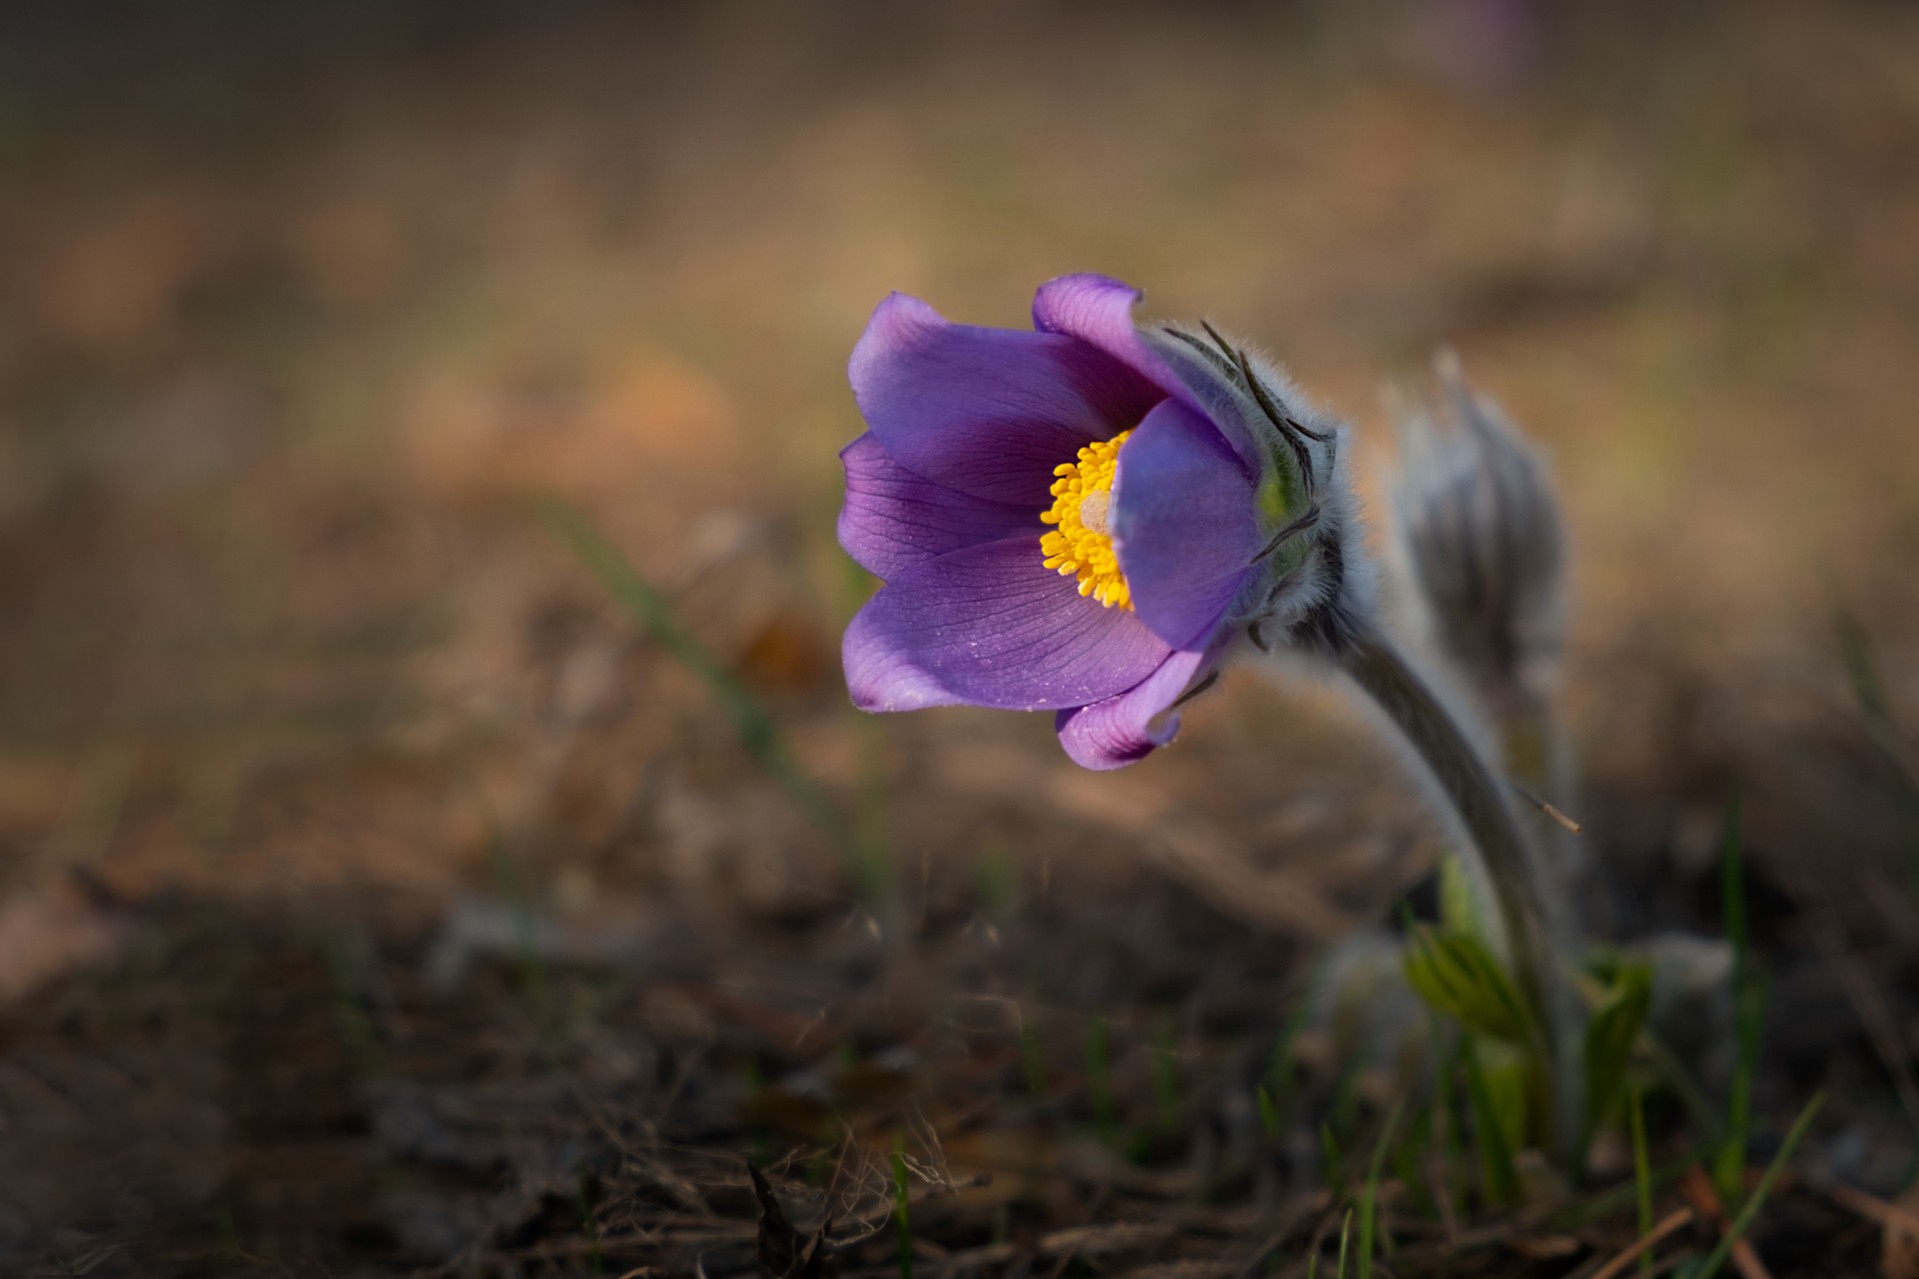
(991, 625)
(1099, 309)
(1218, 396)
(1120, 730)
(893, 519)
(1185, 525)
(989, 412)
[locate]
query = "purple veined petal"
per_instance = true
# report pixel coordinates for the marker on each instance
(1121, 730)
(1185, 525)
(991, 625)
(989, 412)
(1099, 309)
(1223, 403)
(893, 519)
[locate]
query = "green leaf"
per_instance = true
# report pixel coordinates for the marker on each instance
(1455, 973)
(1610, 1037)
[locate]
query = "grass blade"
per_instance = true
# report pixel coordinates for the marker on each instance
(529, 961)
(1279, 1071)
(758, 731)
(1268, 1114)
(1870, 692)
(1166, 1072)
(1744, 1220)
(1369, 1201)
(1641, 1172)
(1729, 1166)
(1032, 1057)
(1099, 1081)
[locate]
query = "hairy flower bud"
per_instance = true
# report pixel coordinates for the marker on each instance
(1480, 531)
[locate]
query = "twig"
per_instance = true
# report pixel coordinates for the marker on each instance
(1697, 1187)
(1677, 1220)
(1546, 806)
(1874, 1209)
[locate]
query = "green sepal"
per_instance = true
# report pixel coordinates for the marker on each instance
(1455, 973)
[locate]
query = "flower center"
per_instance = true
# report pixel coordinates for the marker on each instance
(1081, 543)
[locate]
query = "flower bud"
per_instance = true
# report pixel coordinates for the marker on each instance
(1479, 530)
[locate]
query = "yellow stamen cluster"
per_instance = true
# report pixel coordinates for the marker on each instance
(1082, 543)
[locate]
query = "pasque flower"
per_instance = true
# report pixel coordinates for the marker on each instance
(1088, 517)
(1083, 518)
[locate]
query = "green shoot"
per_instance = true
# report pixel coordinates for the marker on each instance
(1744, 1220)
(1641, 1171)
(1268, 1114)
(1607, 1202)
(1870, 692)
(1862, 670)
(904, 1217)
(350, 1016)
(1495, 1155)
(996, 880)
(531, 963)
(1458, 903)
(1329, 1155)
(1446, 1114)
(1343, 1117)
(1345, 1232)
(1730, 1165)
(590, 1224)
(1369, 1201)
(1611, 1036)
(1456, 974)
(1409, 1163)
(1099, 1080)
(1279, 1072)
(1166, 1072)
(1032, 1055)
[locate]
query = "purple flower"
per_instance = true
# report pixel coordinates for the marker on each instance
(1076, 519)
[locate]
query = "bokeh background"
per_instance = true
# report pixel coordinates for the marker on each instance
(344, 810)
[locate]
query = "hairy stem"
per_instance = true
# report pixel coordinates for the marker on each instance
(1509, 863)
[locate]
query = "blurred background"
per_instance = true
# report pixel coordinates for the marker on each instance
(344, 810)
